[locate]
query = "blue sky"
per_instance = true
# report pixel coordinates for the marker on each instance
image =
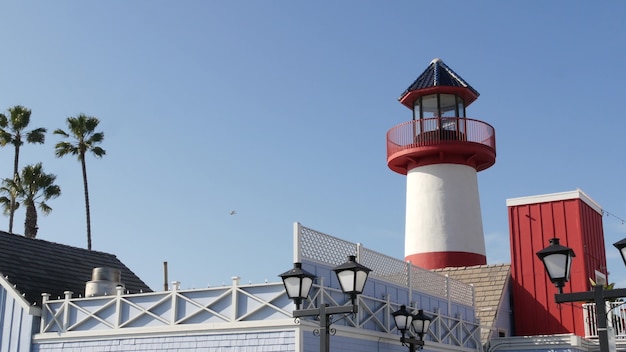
(279, 110)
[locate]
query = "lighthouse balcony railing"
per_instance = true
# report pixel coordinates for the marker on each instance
(616, 319)
(439, 130)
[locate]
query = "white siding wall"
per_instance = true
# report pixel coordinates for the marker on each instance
(271, 341)
(16, 321)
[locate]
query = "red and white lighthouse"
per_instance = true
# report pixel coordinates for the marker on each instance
(440, 151)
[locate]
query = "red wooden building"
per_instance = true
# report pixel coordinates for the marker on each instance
(576, 220)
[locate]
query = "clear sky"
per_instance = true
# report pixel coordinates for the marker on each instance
(279, 109)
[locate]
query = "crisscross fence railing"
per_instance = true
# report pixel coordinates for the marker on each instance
(222, 308)
(262, 305)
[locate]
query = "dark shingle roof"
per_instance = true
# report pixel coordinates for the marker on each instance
(489, 283)
(36, 266)
(438, 74)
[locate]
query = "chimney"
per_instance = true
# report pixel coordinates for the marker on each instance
(104, 281)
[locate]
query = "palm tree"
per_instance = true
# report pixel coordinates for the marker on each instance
(12, 131)
(8, 200)
(82, 129)
(33, 187)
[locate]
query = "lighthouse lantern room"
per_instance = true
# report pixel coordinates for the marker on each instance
(440, 151)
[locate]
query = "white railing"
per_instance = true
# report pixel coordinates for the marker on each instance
(325, 249)
(245, 306)
(219, 305)
(616, 318)
(224, 308)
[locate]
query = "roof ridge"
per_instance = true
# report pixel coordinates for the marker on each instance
(40, 241)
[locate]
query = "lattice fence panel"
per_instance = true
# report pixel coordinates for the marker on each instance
(385, 267)
(324, 248)
(460, 292)
(428, 282)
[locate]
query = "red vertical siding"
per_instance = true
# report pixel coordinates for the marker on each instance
(566, 227)
(578, 226)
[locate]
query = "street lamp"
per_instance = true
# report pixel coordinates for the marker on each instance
(298, 282)
(420, 323)
(558, 262)
(352, 277)
(558, 259)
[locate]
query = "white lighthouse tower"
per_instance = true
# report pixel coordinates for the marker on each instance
(440, 151)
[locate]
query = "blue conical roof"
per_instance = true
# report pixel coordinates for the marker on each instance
(438, 74)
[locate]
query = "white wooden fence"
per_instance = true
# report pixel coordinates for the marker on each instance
(616, 316)
(223, 308)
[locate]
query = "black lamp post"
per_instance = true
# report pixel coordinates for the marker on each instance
(420, 323)
(557, 260)
(352, 277)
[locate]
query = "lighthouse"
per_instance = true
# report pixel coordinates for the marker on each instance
(441, 151)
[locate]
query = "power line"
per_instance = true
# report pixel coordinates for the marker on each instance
(604, 212)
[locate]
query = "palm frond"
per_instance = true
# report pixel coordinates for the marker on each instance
(19, 117)
(10, 190)
(35, 184)
(61, 133)
(5, 137)
(52, 192)
(45, 209)
(5, 203)
(98, 152)
(37, 135)
(64, 148)
(95, 138)
(82, 129)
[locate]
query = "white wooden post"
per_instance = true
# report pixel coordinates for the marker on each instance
(234, 292)
(388, 312)
(66, 311)
(174, 293)
(448, 295)
(297, 243)
(322, 292)
(409, 279)
(44, 310)
(118, 305)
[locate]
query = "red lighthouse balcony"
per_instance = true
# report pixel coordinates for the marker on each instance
(439, 140)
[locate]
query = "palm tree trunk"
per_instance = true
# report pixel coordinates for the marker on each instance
(16, 159)
(30, 224)
(84, 166)
(11, 213)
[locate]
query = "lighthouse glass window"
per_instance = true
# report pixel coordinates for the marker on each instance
(430, 107)
(447, 104)
(449, 113)
(439, 105)
(440, 111)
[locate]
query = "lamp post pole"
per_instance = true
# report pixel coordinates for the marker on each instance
(557, 260)
(325, 312)
(298, 282)
(599, 296)
(414, 344)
